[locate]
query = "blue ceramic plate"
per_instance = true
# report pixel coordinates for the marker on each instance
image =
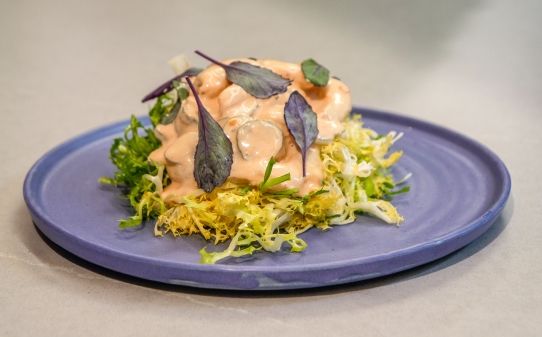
(458, 189)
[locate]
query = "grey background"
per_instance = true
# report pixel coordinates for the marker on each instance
(473, 66)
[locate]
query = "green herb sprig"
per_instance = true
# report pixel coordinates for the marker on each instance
(315, 73)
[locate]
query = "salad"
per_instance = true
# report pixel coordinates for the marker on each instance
(252, 153)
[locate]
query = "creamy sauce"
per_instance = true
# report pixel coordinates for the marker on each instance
(255, 127)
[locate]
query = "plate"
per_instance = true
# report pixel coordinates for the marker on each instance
(458, 188)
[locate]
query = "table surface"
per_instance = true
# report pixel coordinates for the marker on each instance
(473, 66)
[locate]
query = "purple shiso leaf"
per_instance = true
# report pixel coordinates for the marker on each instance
(302, 123)
(257, 81)
(214, 152)
(168, 86)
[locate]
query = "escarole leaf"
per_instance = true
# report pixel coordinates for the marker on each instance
(129, 154)
(315, 73)
(257, 81)
(170, 117)
(214, 153)
(169, 85)
(301, 122)
(182, 94)
(167, 106)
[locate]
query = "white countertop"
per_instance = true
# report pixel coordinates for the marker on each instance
(473, 66)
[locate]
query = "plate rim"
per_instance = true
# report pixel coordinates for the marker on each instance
(491, 213)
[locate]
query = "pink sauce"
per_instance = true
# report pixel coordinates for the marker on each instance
(255, 127)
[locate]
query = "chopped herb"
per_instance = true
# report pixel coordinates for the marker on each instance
(307, 197)
(289, 192)
(270, 182)
(402, 190)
